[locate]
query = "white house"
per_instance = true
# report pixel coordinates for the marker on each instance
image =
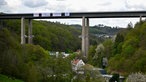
(77, 64)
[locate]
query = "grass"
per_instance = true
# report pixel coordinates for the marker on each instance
(4, 78)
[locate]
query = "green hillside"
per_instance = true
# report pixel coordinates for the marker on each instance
(129, 50)
(99, 33)
(49, 35)
(126, 54)
(100, 29)
(32, 63)
(4, 78)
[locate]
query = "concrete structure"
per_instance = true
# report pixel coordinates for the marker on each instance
(85, 36)
(68, 15)
(23, 31)
(23, 34)
(30, 36)
(85, 21)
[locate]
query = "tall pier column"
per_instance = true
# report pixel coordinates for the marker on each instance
(85, 36)
(23, 31)
(30, 37)
(140, 19)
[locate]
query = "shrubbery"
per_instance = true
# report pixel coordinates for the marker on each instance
(129, 51)
(28, 62)
(136, 77)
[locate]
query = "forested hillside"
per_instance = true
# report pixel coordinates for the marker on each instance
(100, 29)
(129, 50)
(99, 33)
(51, 36)
(127, 54)
(54, 36)
(32, 63)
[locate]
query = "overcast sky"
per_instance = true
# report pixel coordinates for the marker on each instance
(40, 6)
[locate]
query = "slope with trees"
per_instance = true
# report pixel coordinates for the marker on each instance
(99, 33)
(49, 35)
(32, 63)
(130, 50)
(126, 54)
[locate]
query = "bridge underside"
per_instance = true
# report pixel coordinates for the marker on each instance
(85, 22)
(68, 15)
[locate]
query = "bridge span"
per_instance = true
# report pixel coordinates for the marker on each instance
(69, 15)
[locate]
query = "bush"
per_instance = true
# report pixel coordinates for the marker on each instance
(136, 77)
(91, 74)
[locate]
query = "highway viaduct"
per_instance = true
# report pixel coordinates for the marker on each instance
(69, 15)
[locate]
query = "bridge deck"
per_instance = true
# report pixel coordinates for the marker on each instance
(117, 14)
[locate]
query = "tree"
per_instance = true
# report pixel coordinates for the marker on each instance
(97, 59)
(91, 54)
(130, 26)
(118, 44)
(129, 51)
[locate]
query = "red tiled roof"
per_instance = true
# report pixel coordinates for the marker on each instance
(76, 61)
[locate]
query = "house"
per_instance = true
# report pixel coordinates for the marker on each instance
(56, 54)
(77, 64)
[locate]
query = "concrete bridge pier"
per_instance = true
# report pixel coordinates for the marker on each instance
(23, 34)
(85, 36)
(30, 36)
(23, 41)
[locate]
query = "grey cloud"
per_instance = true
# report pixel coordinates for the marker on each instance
(134, 6)
(3, 2)
(4, 6)
(58, 8)
(34, 3)
(60, 0)
(105, 3)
